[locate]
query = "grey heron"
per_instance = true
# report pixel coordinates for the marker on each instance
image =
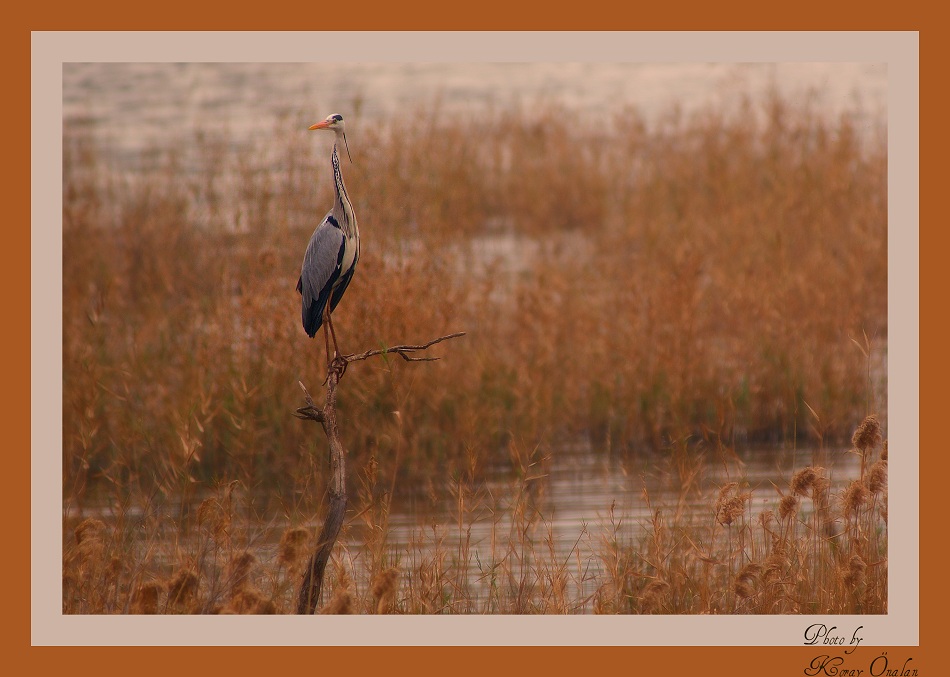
(332, 253)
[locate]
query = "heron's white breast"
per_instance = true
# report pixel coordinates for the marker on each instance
(350, 252)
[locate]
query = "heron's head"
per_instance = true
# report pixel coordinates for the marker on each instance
(334, 123)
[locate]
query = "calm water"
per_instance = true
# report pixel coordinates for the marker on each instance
(585, 500)
(130, 107)
(582, 502)
(579, 488)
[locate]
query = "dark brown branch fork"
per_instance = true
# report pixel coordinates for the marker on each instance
(326, 417)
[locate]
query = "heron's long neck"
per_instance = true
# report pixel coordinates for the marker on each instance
(342, 209)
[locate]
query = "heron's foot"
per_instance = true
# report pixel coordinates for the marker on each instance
(337, 366)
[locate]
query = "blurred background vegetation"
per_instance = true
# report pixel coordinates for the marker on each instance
(718, 276)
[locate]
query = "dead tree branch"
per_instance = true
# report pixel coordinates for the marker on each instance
(404, 351)
(336, 491)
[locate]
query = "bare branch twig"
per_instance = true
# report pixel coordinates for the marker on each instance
(310, 412)
(403, 351)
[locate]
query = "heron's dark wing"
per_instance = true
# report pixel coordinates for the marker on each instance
(340, 287)
(319, 272)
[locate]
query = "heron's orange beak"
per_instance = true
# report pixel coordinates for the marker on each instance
(319, 125)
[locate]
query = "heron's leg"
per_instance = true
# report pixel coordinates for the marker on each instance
(336, 349)
(339, 362)
(326, 336)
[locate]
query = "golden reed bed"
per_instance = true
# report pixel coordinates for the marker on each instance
(718, 278)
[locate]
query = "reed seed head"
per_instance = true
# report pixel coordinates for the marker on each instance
(250, 601)
(342, 603)
(654, 594)
(854, 575)
(115, 569)
(877, 478)
(291, 543)
(855, 496)
(384, 590)
(145, 598)
(747, 578)
(725, 492)
(731, 504)
(215, 519)
(787, 506)
(207, 510)
(239, 570)
(821, 494)
(89, 529)
(182, 587)
(384, 582)
(776, 564)
(867, 435)
(89, 540)
(804, 480)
